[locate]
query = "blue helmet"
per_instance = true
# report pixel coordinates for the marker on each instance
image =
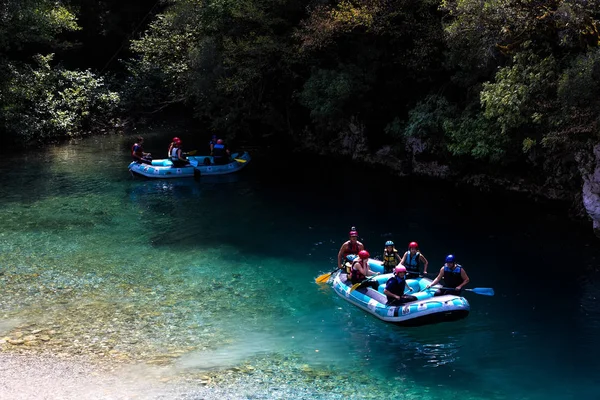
(449, 258)
(389, 243)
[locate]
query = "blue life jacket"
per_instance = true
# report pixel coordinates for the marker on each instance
(412, 263)
(396, 285)
(218, 150)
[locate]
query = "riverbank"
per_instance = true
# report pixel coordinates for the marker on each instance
(24, 377)
(47, 377)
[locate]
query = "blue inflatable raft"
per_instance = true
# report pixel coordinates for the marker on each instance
(428, 309)
(199, 166)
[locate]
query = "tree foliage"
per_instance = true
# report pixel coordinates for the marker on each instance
(39, 101)
(490, 80)
(228, 59)
(44, 103)
(25, 22)
(519, 54)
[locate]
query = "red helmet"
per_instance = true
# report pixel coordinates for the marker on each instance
(363, 254)
(176, 140)
(220, 141)
(413, 244)
(353, 233)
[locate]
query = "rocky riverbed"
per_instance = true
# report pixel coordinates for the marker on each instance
(31, 376)
(71, 335)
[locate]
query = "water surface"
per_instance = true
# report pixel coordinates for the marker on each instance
(220, 274)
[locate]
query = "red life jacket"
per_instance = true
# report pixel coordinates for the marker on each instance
(352, 248)
(356, 275)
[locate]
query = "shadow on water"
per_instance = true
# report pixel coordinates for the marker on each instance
(504, 241)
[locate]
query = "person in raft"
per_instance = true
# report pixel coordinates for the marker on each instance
(221, 154)
(413, 259)
(360, 271)
(352, 246)
(211, 144)
(395, 287)
(176, 154)
(138, 154)
(454, 275)
(390, 257)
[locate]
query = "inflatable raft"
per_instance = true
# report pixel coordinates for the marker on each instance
(199, 166)
(426, 310)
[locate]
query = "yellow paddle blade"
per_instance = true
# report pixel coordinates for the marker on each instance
(323, 278)
(191, 153)
(240, 160)
(355, 286)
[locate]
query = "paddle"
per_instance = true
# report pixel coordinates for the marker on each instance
(191, 153)
(325, 277)
(483, 290)
(356, 285)
(240, 160)
(486, 291)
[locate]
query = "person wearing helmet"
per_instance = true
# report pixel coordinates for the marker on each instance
(173, 141)
(176, 154)
(360, 271)
(220, 153)
(396, 286)
(413, 259)
(352, 246)
(390, 257)
(138, 154)
(454, 275)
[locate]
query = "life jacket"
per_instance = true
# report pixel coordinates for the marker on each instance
(351, 248)
(452, 276)
(389, 259)
(137, 150)
(412, 263)
(218, 150)
(356, 275)
(398, 285)
(174, 154)
(348, 268)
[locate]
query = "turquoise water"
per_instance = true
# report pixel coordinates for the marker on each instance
(218, 274)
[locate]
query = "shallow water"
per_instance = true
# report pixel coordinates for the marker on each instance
(218, 274)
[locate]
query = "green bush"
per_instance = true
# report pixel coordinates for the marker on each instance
(42, 103)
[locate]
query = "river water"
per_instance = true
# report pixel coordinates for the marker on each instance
(217, 277)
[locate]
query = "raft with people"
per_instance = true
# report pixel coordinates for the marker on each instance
(198, 166)
(427, 309)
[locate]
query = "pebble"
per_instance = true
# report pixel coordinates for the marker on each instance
(26, 377)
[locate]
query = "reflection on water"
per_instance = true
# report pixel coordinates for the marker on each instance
(221, 272)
